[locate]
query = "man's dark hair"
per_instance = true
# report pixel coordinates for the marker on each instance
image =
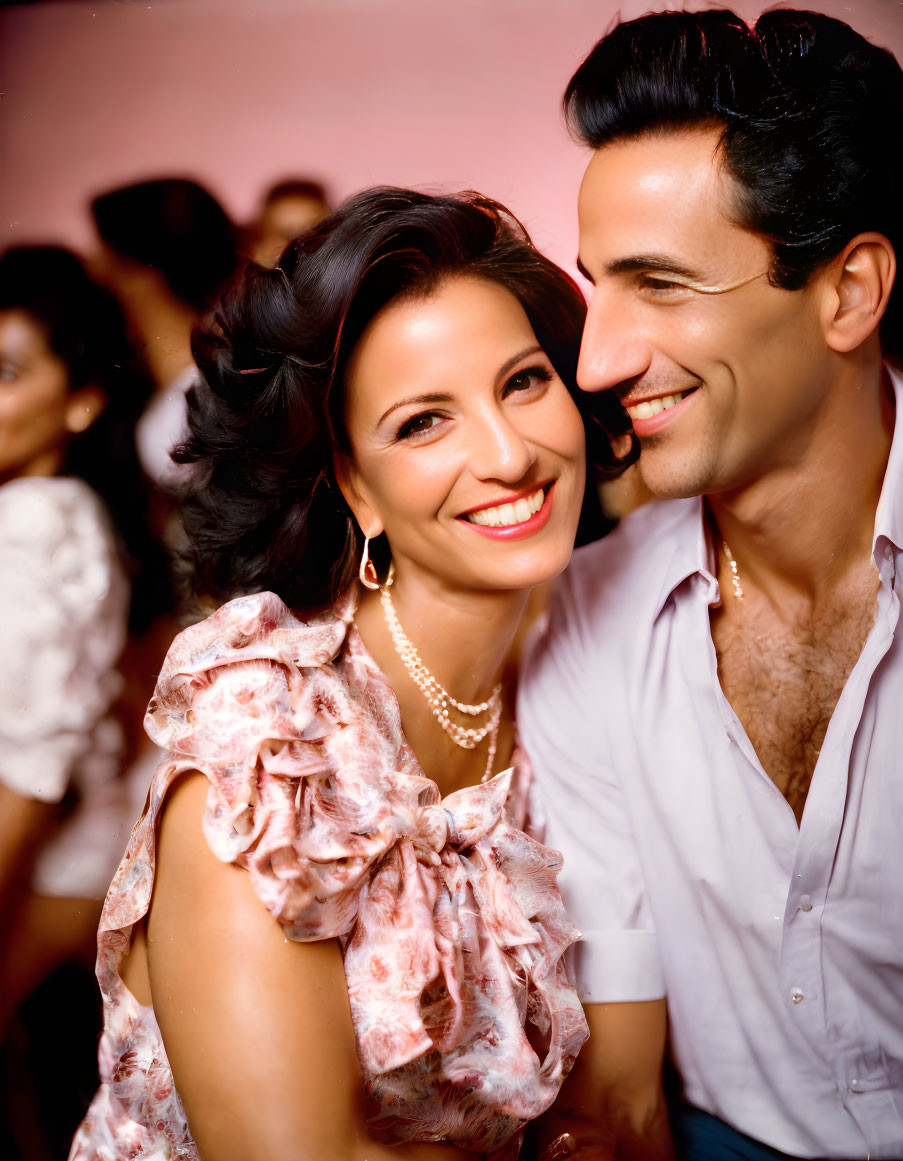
(806, 108)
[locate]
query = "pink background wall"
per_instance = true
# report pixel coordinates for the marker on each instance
(431, 93)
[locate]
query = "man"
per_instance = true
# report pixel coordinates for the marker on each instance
(716, 712)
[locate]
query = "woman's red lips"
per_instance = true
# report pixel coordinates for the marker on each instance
(512, 519)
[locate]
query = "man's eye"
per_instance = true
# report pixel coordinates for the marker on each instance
(656, 285)
(650, 282)
(418, 424)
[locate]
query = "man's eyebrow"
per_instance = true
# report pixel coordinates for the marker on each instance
(586, 274)
(651, 262)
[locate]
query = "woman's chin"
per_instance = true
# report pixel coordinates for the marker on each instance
(527, 570)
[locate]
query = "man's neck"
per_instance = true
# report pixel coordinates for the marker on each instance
(797, 531)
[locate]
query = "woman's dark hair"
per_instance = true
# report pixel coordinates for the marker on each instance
(177, 227)
(266, 422)
(802, 101)
(83, 326)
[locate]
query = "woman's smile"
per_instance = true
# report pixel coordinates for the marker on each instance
(518, 516)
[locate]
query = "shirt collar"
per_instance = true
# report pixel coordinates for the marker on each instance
(689, 553)
(889, 514)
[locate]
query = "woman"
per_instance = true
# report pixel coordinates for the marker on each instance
(392, 402)
(71, 541)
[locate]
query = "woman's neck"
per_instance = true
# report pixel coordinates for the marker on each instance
(463, 637)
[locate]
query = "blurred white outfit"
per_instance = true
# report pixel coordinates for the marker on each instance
(63, 608)
(163, 425)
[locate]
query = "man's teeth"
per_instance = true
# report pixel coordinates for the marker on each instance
(515, 513)
(651, 407)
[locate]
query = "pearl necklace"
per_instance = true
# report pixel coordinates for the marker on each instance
(438, 698)
(732, 565)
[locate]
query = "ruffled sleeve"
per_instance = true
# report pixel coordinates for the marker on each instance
(249, 698)
(63, 601)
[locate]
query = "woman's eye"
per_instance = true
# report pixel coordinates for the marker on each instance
(418, 424)
(528, 379)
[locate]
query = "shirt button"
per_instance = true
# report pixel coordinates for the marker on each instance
(796, 994)
(805, 903)
(856, 1085)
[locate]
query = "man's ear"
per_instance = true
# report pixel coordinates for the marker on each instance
(354, 493)
(83, 407)
(862, 278)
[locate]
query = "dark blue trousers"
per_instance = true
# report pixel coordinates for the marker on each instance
(699, 1136)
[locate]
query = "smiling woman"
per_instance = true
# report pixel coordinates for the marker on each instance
(394, 402)
(466, 448)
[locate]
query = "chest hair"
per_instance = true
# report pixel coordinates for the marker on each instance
(783, 674)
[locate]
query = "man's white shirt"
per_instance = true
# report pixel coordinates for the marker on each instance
(779, 948)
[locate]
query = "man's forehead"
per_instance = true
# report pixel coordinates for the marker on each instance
(661, 194)
(654, 170)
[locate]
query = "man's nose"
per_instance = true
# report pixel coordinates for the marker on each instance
(612, 350)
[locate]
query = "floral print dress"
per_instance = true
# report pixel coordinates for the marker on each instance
(448, 914)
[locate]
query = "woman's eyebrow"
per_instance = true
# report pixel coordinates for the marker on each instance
(442, 397)
(435, 397)
(535, 349)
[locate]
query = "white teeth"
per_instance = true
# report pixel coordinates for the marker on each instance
(505, 514)
(651, 407)
(522, 511)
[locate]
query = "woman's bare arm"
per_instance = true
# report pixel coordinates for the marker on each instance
(612, 1103)
(257, 1027)
(24, 822)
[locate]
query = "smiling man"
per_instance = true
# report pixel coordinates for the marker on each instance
(714, 713)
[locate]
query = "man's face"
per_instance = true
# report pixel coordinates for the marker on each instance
(722, 373)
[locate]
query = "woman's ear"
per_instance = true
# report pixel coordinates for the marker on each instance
(83, 407)
(862, 277)
(354, 493)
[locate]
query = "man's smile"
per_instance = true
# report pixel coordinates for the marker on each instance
(649, 407)
(649, 416)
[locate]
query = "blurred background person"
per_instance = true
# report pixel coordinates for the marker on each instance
(167, 247)
(288, 208)
(77, 570)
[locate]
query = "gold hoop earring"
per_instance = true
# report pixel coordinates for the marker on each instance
(367, 571)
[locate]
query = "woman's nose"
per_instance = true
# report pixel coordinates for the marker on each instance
(499, 451)
(612, 350)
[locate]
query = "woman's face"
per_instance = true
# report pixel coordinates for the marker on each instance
(37, 409)
(466, 448)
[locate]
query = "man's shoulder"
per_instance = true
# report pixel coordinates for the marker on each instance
(630, 562)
